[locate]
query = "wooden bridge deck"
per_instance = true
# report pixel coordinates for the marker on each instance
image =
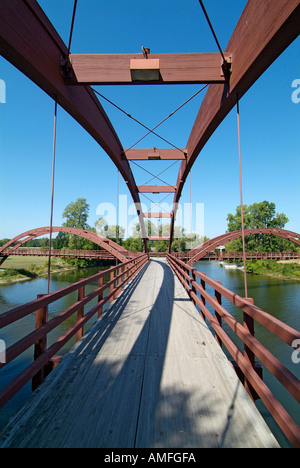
(148, 374)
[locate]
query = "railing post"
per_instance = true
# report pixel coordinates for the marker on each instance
(40, 345)
(218, 298)
(202, 297)
(119, 281)
(192, 285)
(249, 355)
(128, 272)
(100, 295)
(116, 284)
(80, 312)
(127, 267)
(112, 286)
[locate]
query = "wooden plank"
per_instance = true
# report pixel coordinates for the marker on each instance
(174, 68)
(157, 215)
(156, 188)
(190, 385)
(137, 154)
(148, 374)
(71, 406)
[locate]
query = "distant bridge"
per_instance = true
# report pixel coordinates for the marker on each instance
(209, 250)
(202, 250)
(105, 255)
(107, 244)
(63, 253)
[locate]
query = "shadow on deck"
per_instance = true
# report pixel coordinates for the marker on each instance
(148, 374)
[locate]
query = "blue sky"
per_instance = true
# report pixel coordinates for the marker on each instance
(269, 121)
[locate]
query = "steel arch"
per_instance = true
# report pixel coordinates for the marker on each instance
(264, 31)
(203, 249)
(119, 252)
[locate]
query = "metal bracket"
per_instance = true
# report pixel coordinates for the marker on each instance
(67, 69)
(226, 67)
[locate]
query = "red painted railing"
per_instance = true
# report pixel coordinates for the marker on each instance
(67, 253)
(46, 358)
(195, 284)
(104, 254)
(238, 256)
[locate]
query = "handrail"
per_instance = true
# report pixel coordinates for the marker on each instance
(104, 254)
(21, 311)
(42, 365)
(283, 331)
(233, 255)
(71, 253)
(246, 365)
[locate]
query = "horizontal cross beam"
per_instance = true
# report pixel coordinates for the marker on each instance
(154, 154)
(156, 188)
(158, 215)
(103, 69)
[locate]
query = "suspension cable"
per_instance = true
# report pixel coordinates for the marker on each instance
(170, 115)
(52, 195)
(212, 29)
(136, 120)
(72, 27)
(154, 176)
(117, 228)
(191, 210)
(241, 196)
(157, 176)
(157, 204)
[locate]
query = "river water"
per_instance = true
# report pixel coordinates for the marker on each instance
(279, 297)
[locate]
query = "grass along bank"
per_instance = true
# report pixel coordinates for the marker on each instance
(287, 269)
(17, 268)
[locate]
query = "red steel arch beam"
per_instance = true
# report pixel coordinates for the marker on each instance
(266, 28)
(119, 252)
(227, 237)
(208, 246)
(30, 42)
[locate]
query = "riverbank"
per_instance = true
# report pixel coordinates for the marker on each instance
(282, 269)
(17, 270)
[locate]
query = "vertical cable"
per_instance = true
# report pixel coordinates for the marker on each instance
(241, 195)
(212, 29)
(52, 195)
(117, 227)
(72, 27)
(191, 210)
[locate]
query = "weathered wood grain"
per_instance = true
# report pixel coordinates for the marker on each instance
(174, 68)
(148, 374)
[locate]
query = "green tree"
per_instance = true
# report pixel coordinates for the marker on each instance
(76, 215)
(258, 216)
(4, 241)
(61, 241)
